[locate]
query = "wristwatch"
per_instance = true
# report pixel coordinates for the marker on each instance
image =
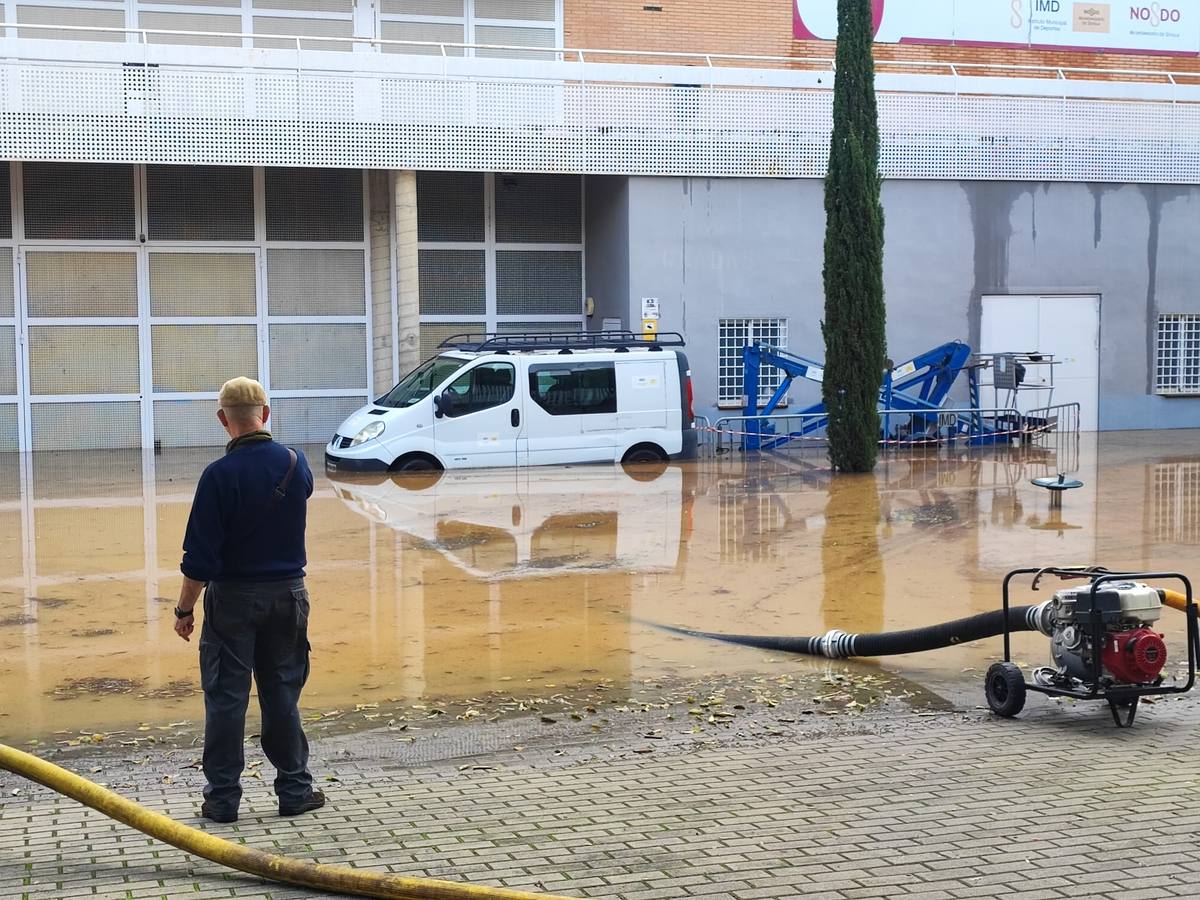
(180, 614)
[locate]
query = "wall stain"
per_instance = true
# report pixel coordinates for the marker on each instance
(1098, 191)
(991, 204)
(1156, 197)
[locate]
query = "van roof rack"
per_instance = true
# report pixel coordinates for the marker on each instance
(561, 340)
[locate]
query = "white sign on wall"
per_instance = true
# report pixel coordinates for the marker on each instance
(1131, 26)
(649, 307)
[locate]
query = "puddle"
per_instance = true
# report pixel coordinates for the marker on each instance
(488, 590)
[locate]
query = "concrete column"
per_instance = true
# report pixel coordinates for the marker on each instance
(381, 282)
(408, 301)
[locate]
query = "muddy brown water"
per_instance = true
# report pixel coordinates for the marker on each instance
(524, 582)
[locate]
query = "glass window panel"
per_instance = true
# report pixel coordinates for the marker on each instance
(305, 28)
(202, 357)
(8, 360)
(77, 201)
(200, 203)
(452, 282)
(483, 387)
(450, 206)
(81, 284)
(449, 8)
(190, 21)
(8, 306)
(83, 359)
(533, 10)
(574, 389)
(539, 281)
(315, 357)
(316, 283)
(8, 444)
(64, 15)
(86, 426)
(335, 6)
(187, 423)
(202, 284)
(433, 333)
(435, 32)
(314, 205)
(508, 36)
(539, 209)
(310, 420)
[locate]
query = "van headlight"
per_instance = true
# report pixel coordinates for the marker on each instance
(375, 429)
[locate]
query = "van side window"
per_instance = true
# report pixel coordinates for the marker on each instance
(480, 388)
(573, 390)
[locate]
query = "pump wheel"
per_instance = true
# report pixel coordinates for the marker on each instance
(1005, 689)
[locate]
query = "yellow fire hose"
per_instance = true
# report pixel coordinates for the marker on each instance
(338, 879)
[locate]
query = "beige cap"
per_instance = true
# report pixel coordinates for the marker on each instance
(242, 391)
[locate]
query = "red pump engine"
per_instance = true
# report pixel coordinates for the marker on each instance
(1134, 657)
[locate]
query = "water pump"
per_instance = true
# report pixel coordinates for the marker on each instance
(1103, 643)
(1132, 652)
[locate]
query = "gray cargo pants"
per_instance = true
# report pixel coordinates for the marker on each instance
(261, 628)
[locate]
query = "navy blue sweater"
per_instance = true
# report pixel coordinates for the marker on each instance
(230, 534)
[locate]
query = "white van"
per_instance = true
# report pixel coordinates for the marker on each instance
(527, 400)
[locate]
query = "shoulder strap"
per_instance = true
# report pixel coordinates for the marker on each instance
(281, 489)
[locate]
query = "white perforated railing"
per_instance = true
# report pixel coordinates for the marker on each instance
(567, 111)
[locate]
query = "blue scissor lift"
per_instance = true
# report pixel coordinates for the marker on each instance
(913, 391)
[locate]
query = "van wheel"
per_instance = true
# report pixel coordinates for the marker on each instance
(644, 453)
(415, 464)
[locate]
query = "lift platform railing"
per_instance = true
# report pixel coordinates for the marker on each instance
(490, 342)
(904, 427)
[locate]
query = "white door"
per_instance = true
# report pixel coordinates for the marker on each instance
(1067, 327)
(481, 418)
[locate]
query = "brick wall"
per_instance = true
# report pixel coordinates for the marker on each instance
(764, 28)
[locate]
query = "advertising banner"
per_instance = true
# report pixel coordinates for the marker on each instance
(1131, 26)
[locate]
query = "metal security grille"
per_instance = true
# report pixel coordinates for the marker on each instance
(314, 205)
(1177, 361)
(452, 282)
(120, 343)
(67, 201)
(451, 206)
(498, 252)
(539, 209)
(200, 203)
(735, 334)
(529, 282)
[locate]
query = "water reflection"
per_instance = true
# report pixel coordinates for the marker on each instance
(511, 580)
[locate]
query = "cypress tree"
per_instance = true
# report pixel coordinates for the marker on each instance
(855, 341)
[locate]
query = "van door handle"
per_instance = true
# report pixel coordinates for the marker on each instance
(515, 417)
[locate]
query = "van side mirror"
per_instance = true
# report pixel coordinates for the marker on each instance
(444, 404)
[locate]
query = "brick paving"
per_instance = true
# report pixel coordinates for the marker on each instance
(1055, 804)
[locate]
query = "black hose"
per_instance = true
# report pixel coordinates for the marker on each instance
(837, 644)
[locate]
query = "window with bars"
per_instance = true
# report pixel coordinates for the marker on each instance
(1177, 368)
(734, 335)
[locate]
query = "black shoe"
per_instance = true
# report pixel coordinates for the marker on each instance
(315, 800)
(222, 816)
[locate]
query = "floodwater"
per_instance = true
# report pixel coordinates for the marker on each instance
(525, 581)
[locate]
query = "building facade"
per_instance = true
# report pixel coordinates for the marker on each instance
(317, 192)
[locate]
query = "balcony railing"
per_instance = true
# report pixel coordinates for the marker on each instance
(367, 102)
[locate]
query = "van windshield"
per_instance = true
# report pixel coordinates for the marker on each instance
(417, 384)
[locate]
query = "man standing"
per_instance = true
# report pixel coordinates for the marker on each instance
(244, 547)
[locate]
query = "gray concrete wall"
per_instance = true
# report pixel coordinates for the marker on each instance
(606, 225)
(713, 248)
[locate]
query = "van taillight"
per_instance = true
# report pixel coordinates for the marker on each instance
(690, 409)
